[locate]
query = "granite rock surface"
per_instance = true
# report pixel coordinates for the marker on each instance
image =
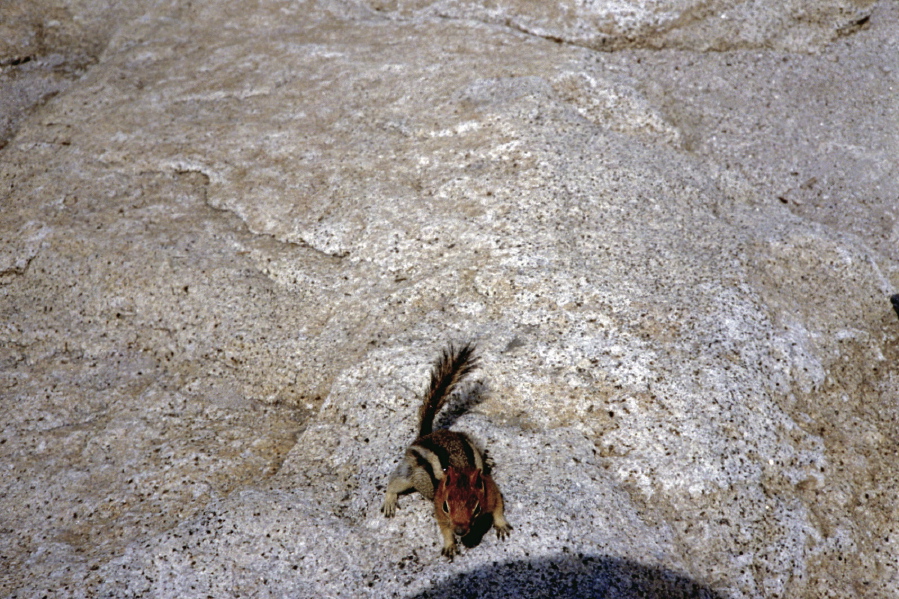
(234, 236)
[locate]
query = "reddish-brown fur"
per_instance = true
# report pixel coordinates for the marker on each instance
(464, 495)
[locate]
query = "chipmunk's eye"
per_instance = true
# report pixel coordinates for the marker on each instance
(477, 510)
(446, 507)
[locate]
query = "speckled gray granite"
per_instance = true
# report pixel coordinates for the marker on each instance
(234, 236)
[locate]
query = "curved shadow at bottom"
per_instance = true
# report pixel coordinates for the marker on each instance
(570, 577)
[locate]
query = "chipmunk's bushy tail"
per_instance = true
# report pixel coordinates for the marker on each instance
(447, 373)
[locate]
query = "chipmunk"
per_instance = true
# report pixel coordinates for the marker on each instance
(446, 466)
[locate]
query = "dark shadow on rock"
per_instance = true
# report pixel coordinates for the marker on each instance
(894, 299)
(479, 528)
(570, 577)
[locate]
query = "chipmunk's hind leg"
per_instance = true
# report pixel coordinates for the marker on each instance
(502, 526)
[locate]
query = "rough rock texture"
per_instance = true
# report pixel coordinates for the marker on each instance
(45, 45)
(791, 25)
(230, 250)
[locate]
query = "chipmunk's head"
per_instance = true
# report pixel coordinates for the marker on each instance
(460, 498)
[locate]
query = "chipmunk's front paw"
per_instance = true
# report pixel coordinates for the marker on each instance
(389, 507)
(450, 551)
(503, 530)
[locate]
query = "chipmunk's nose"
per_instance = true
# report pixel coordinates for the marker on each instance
(461, 530)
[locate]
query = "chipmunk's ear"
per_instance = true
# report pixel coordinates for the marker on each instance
(476, 480)
(449, 476)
